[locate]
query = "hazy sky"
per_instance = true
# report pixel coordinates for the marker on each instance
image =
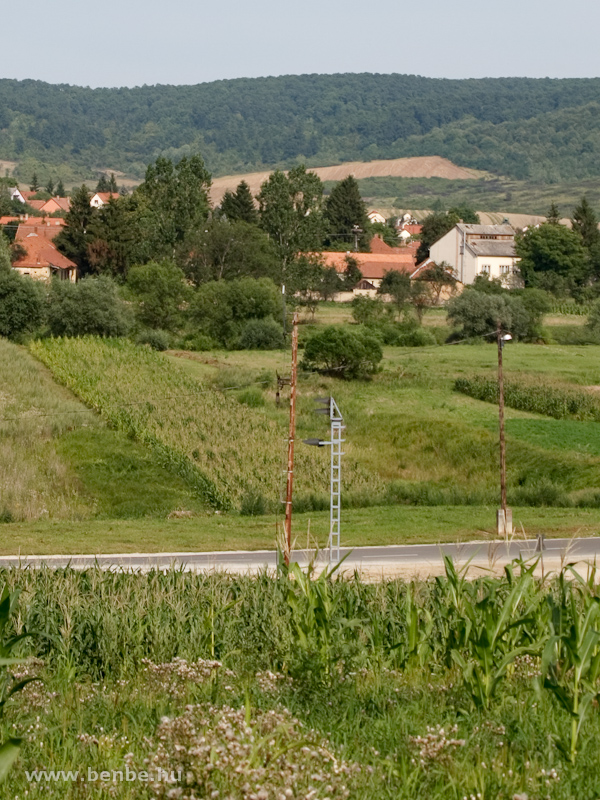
(132, 42)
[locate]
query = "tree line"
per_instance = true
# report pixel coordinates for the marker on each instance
(162, 259)
(541, 129)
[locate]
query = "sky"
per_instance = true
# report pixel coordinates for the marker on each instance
(135, 42)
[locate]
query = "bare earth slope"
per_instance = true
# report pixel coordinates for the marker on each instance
(421, 167)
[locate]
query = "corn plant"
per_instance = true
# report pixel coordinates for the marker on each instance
(494, 633)
(571, 658)
(318, 626)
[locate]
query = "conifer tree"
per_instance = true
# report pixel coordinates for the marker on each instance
(50, 187)
(344, 210)
(112, 184)
(34, 186)
(239, 206)
(553, 214)
(585, 222)
(103, 184)
(73, 240)
(60, 189)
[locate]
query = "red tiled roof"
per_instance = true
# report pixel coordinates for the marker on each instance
(414, 230)
(377, 245)
(36, 204)
(7, 220)
(41, 253)
(48, 228)
(373, 265)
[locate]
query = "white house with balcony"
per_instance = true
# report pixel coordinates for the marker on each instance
(473, 250)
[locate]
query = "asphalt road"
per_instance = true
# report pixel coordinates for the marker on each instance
(394, 556)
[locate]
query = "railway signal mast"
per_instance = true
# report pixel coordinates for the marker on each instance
(336, 430)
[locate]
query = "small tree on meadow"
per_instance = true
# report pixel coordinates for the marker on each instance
(342, 352)
(397, 285)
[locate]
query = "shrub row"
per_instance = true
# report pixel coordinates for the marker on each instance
(539, 398)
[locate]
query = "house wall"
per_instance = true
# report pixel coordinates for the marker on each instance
(36, 273)
(448, 249)
(493, 266)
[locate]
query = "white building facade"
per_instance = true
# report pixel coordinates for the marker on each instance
(473, 250)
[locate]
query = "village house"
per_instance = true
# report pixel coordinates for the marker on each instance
(472, 250)
(102, 198)
(41, 259)
(373, 266)
(375, 216)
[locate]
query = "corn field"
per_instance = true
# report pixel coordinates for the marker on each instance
(223, 449)
(315, 686)
(537, 397)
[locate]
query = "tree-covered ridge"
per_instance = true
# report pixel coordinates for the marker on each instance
(516, 126)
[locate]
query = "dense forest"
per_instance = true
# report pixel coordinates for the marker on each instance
(546, 130)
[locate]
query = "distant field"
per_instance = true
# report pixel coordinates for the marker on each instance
(421, 167)
(497, 196)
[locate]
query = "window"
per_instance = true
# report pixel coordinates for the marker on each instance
(505, 269)
(485, 269)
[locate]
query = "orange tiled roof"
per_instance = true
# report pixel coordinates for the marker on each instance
(36, 204)
(42, 253)
(57, 204)
(8, 220)
(48, 228)
(106, 196)
(373, 265)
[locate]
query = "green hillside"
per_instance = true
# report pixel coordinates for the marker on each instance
(518, 127)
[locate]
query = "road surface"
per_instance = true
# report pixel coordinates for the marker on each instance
(402, 560)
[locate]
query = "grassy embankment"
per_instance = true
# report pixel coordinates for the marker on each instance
(386, 677)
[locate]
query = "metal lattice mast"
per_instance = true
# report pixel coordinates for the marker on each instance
(337, 426)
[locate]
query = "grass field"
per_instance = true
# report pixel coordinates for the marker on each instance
(173, 438)
(380, 525)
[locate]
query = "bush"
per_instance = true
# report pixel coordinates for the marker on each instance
(221, 309)
(342, 352)
(368, 310)
(593, 320)
(419, 337)
(574, 335)
(479, 313)
(261, 334)
(159, 291)
(90, 307)
(254, 504)
(157, 340)
(21, 304)
(252, 397)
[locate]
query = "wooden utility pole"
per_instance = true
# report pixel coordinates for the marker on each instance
(290, 467)
(503, 522)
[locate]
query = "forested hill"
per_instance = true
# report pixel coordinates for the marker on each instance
(520, 127)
